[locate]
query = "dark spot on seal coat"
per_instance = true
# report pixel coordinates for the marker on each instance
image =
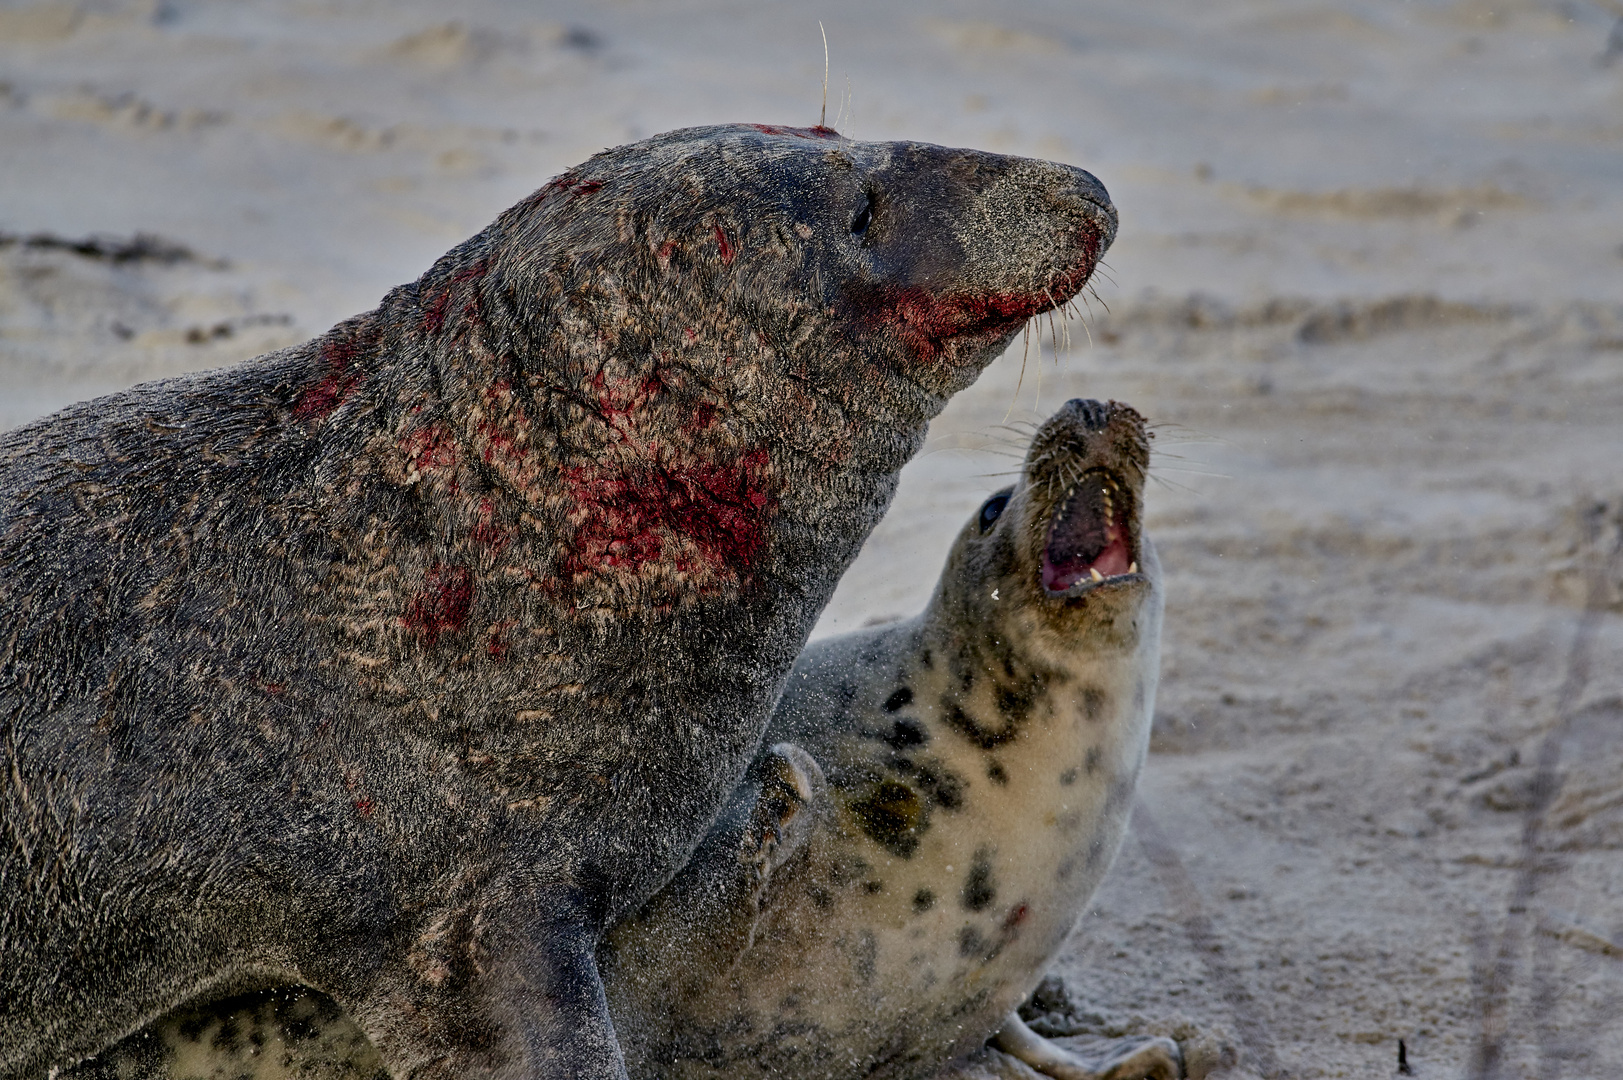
(979, 889)
(402, 662)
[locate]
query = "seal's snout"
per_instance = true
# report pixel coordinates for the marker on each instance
(1079, 196)
(1092, 415)
(1086, 474)
(959, 248)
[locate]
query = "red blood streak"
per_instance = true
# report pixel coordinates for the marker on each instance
(496, 647)
(337, 357)
(439, 299)
(442, 604)
(429, 448)
(434, 310)
(618, 398)
(1016, 916)
(818, 132)
(487, 531)
(568, 183)
(720, 509)
(721, 242)
(500, 444)
(364, 807)
(925, 320)
(472, 272)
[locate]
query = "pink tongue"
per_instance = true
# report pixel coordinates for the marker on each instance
(1114, 559)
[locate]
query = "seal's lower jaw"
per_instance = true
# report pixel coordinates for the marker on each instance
(1092, 542)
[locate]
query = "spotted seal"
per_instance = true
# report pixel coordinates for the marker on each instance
(894, 875)
(401, 663)
(980, 762)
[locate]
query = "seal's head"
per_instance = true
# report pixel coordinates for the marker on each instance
(927, 256)
(879, 277)
(1067, 541)
(702, 331)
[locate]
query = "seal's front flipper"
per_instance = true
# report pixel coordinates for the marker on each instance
(525, 1003)
(1132, 1058)
(792, 796)
(564, 1013)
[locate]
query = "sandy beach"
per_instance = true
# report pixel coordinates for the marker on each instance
(1368, 287)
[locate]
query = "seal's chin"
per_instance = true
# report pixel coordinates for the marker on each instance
(1091, 539)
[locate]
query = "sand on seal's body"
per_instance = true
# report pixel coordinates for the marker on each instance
(401, 663)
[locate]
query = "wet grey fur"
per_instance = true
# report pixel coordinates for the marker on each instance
(401, 663)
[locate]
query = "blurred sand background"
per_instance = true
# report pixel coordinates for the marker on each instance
(1369, 284)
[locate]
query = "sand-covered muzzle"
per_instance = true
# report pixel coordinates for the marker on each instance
(959, 248)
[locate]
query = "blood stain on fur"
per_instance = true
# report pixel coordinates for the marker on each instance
(442, 604)
(626, 517)
(722, 244)
(429, 449)
(338, 356)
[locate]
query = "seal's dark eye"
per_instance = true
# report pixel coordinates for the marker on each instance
(863, 217)
(992, 510)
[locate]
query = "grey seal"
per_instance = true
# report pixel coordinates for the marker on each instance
(402, 663)
(894, 876)
(940, 799)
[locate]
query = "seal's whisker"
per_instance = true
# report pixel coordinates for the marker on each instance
(1025, 351)
(1099, 298)
(1182, 435)
(847, 103)
(1003, 446)
(1005, 435)
(1086, 329)
(1037, 397)
(1172, 485)
(1161, 456)
(1157, 467)
(822, 117)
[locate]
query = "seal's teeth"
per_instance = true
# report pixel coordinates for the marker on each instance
(1133, 568)
(1096, 575)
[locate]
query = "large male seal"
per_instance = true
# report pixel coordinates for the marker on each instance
(980, 762)
(401, 663)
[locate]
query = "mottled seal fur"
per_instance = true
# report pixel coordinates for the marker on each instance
(886, 887)
(401, 663)
(980, 762)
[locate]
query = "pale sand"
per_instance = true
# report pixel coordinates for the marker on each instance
(1369, 281)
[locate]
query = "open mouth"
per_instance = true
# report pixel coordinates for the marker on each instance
(1090, 539)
